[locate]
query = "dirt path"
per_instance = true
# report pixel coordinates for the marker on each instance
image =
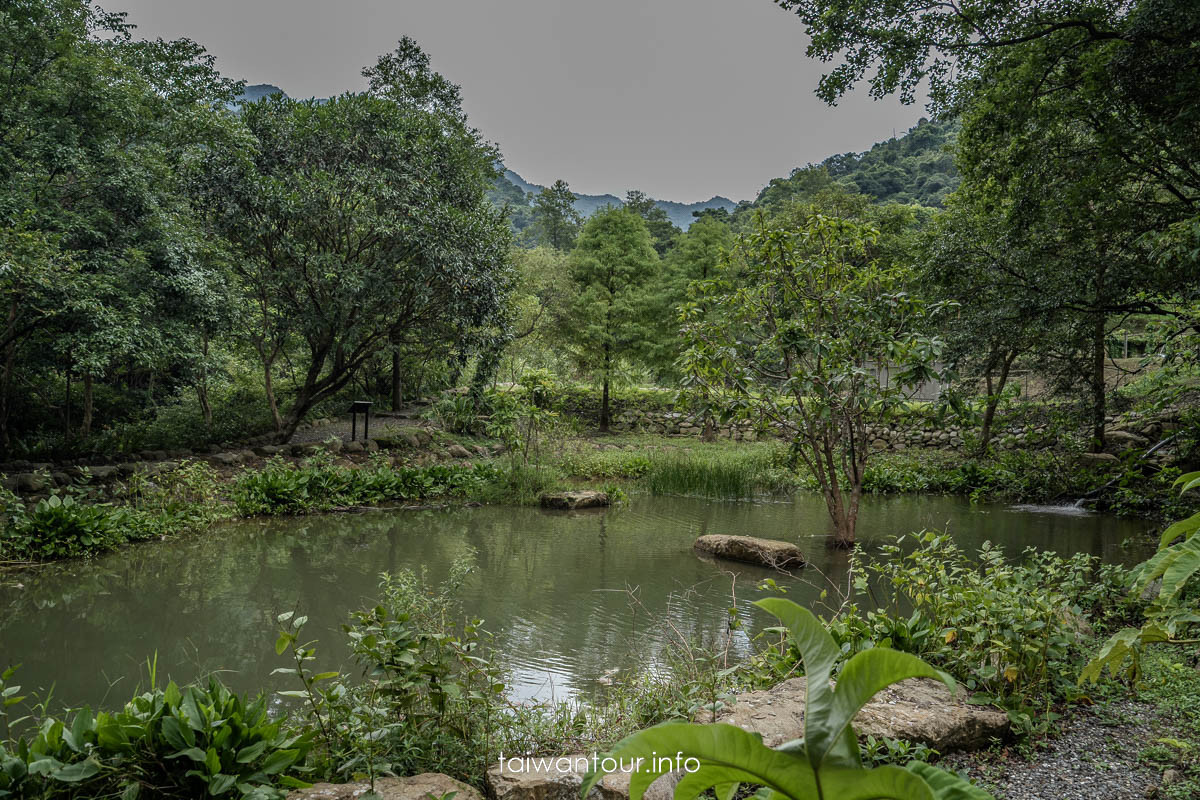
(1096, 758)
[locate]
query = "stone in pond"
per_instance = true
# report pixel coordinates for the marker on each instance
(767, 552)
(572, 500)
(917, 710)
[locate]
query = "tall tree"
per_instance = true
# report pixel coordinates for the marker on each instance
(554, 216)
(798, 330)
(967, 259)
(662, 230)
(1078, 129)
(606, 319)
(362, 223)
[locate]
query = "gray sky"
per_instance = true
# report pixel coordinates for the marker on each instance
(683, 99)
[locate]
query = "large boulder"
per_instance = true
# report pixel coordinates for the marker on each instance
(1097, 459)
(767, 552)
(918, 710)
(32, 482)
(568, 501)
(1125, 440)
(228, 459)
(412, 436)
(418, 787)
(561, 778)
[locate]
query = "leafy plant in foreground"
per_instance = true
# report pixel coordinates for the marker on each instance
(1173, 611)
(196, 741)
(826, 763)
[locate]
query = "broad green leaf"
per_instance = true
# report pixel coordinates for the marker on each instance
(220, 784)
(820, 653)
(173, 732)
(1180, 569)
(1185, 528)
(79, 771)
(279, 761)
(741, 755)
(892, 783)
(946, 785)
(248, 754)
(212, 761)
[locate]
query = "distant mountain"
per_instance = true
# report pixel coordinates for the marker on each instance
(510, 184)
(260, 90)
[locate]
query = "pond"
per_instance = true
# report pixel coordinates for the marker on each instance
(569, 596)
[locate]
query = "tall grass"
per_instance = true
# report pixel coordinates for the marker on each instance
(723, 474)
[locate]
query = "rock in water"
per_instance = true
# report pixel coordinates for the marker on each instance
(571, 500)
(417, 787)
(767, 552)
(918, 710)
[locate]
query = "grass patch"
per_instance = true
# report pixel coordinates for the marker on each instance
(720, 470)
(1171, 683)
(727, 475)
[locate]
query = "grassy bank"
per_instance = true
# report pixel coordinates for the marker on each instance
(86, 519)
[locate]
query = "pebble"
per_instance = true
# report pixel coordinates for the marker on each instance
(1091, 760)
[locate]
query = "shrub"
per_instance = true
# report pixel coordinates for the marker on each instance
(197, 741)
(430, 699)
(1011, 632)
(59, 527)
(319, 485)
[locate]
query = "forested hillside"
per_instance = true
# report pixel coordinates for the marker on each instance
(917, 167)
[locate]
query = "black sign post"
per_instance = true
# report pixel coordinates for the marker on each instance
(360, 407)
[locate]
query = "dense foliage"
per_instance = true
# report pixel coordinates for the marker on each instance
(162, 242)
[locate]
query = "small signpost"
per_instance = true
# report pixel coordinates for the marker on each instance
(360, 407)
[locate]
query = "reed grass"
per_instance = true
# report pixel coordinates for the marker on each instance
(726, 474)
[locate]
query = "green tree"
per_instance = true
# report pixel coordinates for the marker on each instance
(1077, 135)
(554, 216)
(95, 132)
(605, 318)
(361, 224)
(697, 255)
(804, 330)
(966, 259)
(662, 230)
(541, 288)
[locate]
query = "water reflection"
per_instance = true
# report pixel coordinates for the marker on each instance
(570, 597)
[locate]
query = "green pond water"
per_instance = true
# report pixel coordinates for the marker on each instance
(556, 589)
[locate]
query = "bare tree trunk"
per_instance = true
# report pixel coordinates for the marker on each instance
(1098, 399)
(397, 382)
(205, 406)
(710, 429)
(993, 400)
(269, 388)
(67, 421)
(605, 419)
(5, 392)
(85, 427)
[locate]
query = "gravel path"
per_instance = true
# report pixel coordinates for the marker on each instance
(381, 425)
(1096, 758)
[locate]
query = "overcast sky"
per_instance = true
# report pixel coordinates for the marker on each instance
(683, 99)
